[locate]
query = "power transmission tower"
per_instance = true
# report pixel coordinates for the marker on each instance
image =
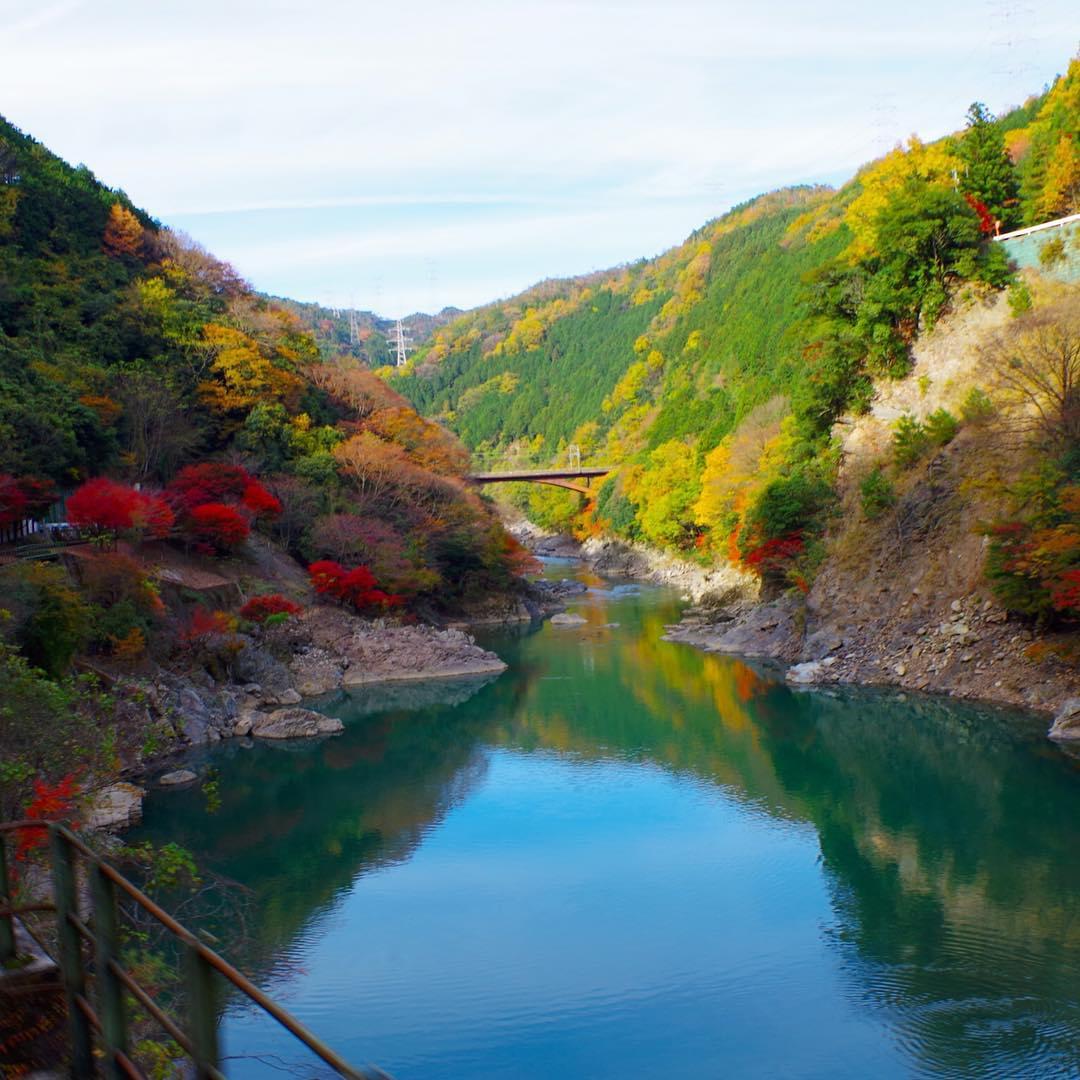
(400, 343)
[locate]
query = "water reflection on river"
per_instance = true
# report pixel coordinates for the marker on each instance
(626, 858)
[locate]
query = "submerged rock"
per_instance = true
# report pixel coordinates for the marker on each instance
(178, 776)
(568, 618)
(806, 674)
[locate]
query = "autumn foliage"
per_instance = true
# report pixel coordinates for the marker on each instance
(51, 802)
(214, 482)
(123, 233)
(104, 504)
(24, 497)
(355, 587)
(216, 527)
(260, 608)
(204, 624)
(215, 503)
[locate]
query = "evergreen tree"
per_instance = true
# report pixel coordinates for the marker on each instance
(988, 173)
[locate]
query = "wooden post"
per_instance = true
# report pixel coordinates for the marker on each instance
(202, 1015)
(7, 925)
(71, 962)
(110, 991)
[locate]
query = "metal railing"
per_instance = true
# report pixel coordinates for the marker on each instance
(99, 1028)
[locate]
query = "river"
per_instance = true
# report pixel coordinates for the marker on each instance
(625, 858)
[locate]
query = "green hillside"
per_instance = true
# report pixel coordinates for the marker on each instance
(746, 342)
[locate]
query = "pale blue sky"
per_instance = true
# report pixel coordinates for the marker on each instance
(409, 155)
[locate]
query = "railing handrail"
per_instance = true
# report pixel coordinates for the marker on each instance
(203, 956)
(1057, 223)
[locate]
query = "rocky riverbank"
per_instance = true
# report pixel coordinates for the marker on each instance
(322, 650)
(858, 628)
(252, 686)
(637, 562)
(966, 647)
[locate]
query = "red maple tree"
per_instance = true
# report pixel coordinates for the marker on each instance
(260, 608)
(105, 504)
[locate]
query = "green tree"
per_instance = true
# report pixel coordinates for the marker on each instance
(988, 174)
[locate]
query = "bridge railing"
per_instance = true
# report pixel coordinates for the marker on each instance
(570, 457)
(89, 952)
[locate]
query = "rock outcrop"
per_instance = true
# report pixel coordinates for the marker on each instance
(724, 585)
(115, 807)
(324, 650)
(1066, 723)
(294, 724)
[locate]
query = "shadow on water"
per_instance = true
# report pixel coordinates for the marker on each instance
(948, 834)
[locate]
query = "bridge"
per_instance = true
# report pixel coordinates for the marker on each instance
(556, 477)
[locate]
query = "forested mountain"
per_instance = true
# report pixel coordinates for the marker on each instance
(713, 375)
(130, 355)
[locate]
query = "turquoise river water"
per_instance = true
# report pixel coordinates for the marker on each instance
(626, 858)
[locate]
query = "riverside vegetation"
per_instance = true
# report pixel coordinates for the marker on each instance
(229, 476)
(729, 382)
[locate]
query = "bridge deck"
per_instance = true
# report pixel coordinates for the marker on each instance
(540, 474)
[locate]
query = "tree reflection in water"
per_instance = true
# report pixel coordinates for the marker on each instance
(948, 834)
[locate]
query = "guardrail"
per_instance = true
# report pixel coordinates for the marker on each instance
(99, 1028)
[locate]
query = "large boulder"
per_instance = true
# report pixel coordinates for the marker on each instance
(295, 724)
(115, 807)
(1066, 723)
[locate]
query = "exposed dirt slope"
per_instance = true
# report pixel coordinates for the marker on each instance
(903, 599)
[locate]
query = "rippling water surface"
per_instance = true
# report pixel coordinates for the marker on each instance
(626, 858)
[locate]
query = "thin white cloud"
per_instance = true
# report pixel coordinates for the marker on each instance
(219, 113)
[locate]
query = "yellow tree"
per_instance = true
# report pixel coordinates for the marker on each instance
(933, 165)
(1061, 187)
(245, 376)
(123, 232)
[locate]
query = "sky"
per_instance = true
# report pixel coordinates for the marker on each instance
(403, 156)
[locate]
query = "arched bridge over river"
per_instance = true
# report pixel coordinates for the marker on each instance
(573, 478)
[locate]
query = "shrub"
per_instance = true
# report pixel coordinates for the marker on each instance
(48, 729)
(787, 513)
(260, 608)
(1052, 252)
(215, 527)
(910, 441)
(118, 622)
(876, 494)
(112, 578)
(1033, 564)
(204, 624)
(977, 406)
(355, 587)
(1019, 297)
(50, 620)
(941, 427)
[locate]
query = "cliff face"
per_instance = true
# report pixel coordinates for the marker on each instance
(903, 599)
